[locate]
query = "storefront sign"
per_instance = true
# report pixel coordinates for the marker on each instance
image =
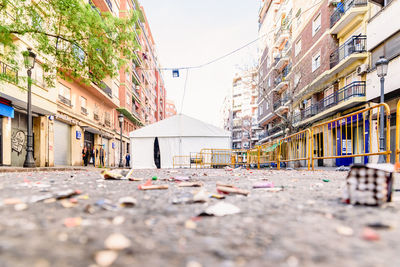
(78, 135)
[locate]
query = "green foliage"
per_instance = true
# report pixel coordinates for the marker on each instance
(74, 40)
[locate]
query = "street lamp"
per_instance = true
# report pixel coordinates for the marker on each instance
(29, 61)
(381, 70)
(121, 120)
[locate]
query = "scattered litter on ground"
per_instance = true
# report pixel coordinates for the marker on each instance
(154, 178)
(232, 190)
(344, 230)
(190, 184)
(217, 196)
(190, 224)
(220, 209)
(200, 196)
(20, 207)
(149, 186)
(370, 234)
(181, 178)
(106, 204)
(105, 258)
(135, 179)
(379, 226)
(326, 180)
(117, 241)
(342, 169)
(127, 202)
(112, 175)
(263, 185)
(72, 222)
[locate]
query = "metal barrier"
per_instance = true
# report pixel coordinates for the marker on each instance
(353, 135)
(253, 157)
(398, 133)
(268, 153)
(296, 147)
(217, 158)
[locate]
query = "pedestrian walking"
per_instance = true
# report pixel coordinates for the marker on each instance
(102, 156)
(128, 160)
(85, 156)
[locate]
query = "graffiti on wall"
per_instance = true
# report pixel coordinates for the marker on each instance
(18, 140)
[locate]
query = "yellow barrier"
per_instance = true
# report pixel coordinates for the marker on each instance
(350, 136)
(253, 157)
(296, 147)
(268, 153)
(398, 132)
(214, 158)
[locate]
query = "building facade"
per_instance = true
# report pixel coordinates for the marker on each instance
(328, 63)
(170, 109)
(73, 115)
(243, 115)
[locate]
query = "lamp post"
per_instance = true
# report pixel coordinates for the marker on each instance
(29, 61)
(121, 120)
(381, 70)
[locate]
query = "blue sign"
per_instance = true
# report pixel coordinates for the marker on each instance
(175, 73)
(78, 135)
(6, 111)
(113, 145)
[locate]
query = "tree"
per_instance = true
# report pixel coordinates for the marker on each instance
(76, 40)
(286, 125)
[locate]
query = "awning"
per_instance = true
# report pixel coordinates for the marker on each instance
(6, 111)
(271, 148)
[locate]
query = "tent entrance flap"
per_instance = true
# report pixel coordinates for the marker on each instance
(157, 155)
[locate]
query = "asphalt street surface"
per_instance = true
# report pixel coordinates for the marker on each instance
(305, 224)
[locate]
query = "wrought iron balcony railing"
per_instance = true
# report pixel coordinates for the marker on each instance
(355, 89)
(356, 44)
(343, 7)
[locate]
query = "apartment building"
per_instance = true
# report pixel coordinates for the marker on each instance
(243, 113)
(384, 41)
(170, 109)
(331, 69)
(275, 31)
(74, 115)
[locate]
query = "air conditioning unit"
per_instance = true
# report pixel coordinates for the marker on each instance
(362, 69)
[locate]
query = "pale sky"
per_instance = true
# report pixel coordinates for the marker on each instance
(193, 32)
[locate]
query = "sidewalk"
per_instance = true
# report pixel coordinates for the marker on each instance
(41, 169)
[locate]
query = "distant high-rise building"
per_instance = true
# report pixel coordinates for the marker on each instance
(170, 109)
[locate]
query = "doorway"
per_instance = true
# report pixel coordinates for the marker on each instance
(157, 156)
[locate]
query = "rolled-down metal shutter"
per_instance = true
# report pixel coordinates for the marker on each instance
(62, 143)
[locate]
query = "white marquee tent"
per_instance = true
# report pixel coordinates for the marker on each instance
(177, 135)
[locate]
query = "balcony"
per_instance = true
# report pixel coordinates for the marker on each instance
(280, 105)
(347, 14)
(355, 45)
(282, 35)
(344, 98)
(281, 82)
(281, 60)
(64, 100)
(135, 77)
(10, 74)
(135, 94)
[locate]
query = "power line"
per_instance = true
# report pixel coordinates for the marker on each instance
(184, 90)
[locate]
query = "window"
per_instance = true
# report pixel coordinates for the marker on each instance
(128, 99)
(328, 96)
(316, 25)
(64, 94)
(297, 47)
(38, 75)
(316, 61)
(83, 102)
(127, 74)
(64, 91)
